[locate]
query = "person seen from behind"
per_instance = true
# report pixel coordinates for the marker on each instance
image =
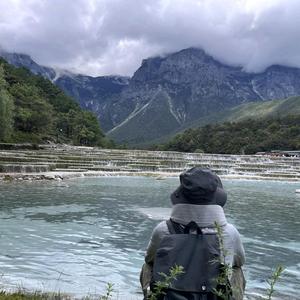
(189, 239)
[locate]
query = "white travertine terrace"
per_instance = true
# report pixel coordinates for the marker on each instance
(61, 161)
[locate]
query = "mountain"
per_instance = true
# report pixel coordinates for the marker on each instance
(90, 92)
(245, 129)
(93, 93)
(32, 109)
(169, 93)
(195, 86)
(23, 60)
(253, 110)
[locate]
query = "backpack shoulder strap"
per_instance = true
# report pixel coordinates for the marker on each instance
(174, 227)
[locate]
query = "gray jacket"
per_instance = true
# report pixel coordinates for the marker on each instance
(205, 216)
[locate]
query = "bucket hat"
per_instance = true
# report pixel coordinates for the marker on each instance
(199, 186)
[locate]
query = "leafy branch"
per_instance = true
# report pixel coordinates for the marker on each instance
(161, 286)
(109, 291)
(223, 289)
(272, 281)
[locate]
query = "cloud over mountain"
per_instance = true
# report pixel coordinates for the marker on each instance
(113, 36)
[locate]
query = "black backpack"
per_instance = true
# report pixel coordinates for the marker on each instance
(197, 251)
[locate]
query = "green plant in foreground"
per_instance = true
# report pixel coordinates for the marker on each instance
(25, 295)
(161, 286)
(224, 289)
(109, 291)
(272, 281)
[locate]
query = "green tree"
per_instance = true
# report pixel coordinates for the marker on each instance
(33, 112)
(6, 109)
(246, 137)
(33, 109)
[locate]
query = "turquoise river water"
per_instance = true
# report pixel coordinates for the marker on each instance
(75, 236)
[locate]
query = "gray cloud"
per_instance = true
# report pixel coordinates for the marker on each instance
(112, 36)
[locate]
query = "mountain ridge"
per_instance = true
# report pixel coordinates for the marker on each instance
(253, 110)
(190, 84)
(198, 85)
(88, 91)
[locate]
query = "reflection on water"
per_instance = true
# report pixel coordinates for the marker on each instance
(78, 236)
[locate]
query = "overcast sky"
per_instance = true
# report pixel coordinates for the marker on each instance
(101, 37)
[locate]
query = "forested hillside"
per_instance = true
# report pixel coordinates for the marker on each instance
(245, 137)
(170, 93)
(32, 109)
(252, 110)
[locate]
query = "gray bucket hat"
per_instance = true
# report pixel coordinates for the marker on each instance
(199, 186)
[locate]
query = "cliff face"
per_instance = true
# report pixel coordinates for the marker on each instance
(93, 93)
(193, 85)
(167, 93)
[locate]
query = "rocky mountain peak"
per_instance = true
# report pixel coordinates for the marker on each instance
(167, 93)
(183, 66)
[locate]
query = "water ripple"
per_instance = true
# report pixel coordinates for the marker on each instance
(77, 239)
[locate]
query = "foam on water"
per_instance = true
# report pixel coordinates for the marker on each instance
(155, 213)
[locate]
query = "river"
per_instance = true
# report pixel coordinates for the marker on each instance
(75, 236)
